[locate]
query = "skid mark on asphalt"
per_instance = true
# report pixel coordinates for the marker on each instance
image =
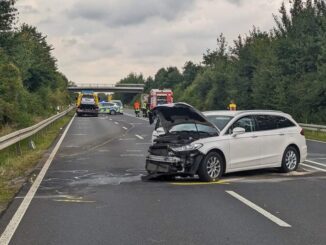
(110, 179)
(132, 155)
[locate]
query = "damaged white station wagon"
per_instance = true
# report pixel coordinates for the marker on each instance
(188, 142)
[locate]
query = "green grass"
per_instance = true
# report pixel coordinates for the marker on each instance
(315, 135)
(17, 162)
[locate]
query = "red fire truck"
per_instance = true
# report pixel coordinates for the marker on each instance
(159, 97)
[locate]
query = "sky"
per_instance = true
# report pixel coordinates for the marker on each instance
(102, 41)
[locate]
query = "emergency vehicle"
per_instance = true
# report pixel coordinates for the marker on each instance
(160, 97)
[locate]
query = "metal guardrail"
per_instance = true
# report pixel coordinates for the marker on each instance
(12, 138)
(313, 127)
(94, 85)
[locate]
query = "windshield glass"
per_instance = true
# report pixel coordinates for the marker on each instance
(161, 100)
(192, 127)
(219, 121)
(119, 103)
(107, 104)
(88, 96)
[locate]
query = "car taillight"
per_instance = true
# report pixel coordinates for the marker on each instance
(302, 132)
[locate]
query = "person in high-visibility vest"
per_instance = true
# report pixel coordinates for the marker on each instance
(137, 108)
(232, 106)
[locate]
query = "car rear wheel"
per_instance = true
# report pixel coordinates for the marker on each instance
(211, 168)
(290, 160)
(112, 112)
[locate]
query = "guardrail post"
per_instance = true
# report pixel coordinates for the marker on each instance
(18, 149)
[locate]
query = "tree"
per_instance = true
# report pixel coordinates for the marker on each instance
(8, 15)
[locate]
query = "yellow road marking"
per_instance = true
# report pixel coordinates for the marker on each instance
(222, 182)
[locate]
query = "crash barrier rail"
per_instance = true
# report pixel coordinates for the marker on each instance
(13, 138)
(314, 127)
(92, 85)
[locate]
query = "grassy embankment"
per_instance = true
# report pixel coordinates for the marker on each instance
(17, 162)
(315, 135)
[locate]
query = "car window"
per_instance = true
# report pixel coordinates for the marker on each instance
(192, 127)
(282, 122)
(219, 121)
(265, 122)
(247, 122)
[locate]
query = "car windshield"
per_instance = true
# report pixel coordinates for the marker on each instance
(219, 121)
(107, 104)
(119, 103)
(88, 96)
(192, 127)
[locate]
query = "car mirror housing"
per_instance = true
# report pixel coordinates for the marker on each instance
(238, 130)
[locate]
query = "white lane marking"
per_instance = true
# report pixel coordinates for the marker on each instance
(317, 141)
(259, 209)
(130, 115)
(139, 137)
(110, 119)
(125, 128)
(309, 166)
(128, 139)
(131, 155)
(317, 163)
(116, 123)
(15, 220)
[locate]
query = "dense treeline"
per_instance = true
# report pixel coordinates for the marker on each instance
(282, 69)
(30, 84)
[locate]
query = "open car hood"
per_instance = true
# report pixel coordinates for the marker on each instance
(178, 113)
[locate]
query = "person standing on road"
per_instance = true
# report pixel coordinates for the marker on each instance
(137, 108)
(232, 106)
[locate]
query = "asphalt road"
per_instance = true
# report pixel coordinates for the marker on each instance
(92, 193)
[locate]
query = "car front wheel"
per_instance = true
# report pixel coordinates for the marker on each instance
(290, 160)
(112, 112)
(211, 168)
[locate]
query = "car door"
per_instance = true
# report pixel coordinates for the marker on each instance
(244, 148)
(271, 139)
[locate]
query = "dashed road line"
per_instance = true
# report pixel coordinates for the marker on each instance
(139, 137)
(259, 209)
(18, 216)
(116, 123)
(125, 128)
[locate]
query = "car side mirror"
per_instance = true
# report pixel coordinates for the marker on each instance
(237, 131)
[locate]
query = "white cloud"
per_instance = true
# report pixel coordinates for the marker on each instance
(104, 40)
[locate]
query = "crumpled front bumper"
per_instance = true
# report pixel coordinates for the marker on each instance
(183, 164)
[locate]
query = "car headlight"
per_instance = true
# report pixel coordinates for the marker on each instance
(190, 147)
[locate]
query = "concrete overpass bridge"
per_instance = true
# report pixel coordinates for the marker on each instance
(108, 88)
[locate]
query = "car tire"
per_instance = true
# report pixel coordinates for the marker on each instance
(290, 160)
(112, 112)
(211, 168)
